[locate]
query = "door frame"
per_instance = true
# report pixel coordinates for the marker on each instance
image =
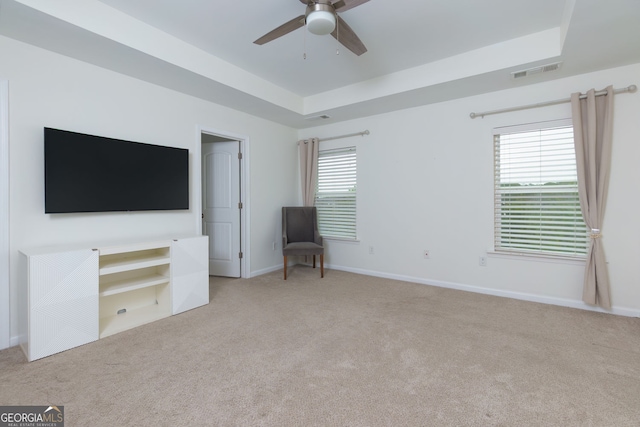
(245, 195)
(5, 303)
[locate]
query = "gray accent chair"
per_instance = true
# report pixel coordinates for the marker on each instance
(300, 235)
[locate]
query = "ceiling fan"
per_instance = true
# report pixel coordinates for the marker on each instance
(322, 18)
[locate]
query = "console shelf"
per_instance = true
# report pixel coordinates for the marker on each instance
(134, 286)
(121, 322)
(116, 263)
(126, 285)
(70, 296)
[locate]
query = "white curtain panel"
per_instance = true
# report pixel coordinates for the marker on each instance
(308, 150)
(593, 128)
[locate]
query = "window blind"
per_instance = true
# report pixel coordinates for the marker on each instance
(336, 193)
(537, 208)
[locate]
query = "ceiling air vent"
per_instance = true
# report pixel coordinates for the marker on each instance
(322, 117)
(536, 70)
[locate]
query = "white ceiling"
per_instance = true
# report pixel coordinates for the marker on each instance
(419, 51)
(399, 34)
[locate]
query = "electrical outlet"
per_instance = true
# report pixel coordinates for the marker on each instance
(426, 254)
(370, 250)
(482, 261)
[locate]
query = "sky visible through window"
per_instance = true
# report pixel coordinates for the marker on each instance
(538, 157)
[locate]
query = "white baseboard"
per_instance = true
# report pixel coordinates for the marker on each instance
(292, 263)
(13, 341)
(620, 311)
(265, 271)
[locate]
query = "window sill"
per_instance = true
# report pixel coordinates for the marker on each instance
(342, 240)
(556, 259)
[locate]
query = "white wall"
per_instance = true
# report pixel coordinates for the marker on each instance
(425, 176)
(425, 181)
(47, 89)
(5, 312)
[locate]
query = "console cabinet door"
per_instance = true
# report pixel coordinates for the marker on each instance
(59, 301)
(189, 273)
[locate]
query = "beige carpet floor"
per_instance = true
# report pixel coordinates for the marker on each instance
(346, 350)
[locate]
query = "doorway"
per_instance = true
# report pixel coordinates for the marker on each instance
(223, 216)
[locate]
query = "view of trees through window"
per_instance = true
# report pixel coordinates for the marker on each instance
(537, 208)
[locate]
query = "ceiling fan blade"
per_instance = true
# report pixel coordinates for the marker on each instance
(345, 35)
(283, 29)
(344, 5)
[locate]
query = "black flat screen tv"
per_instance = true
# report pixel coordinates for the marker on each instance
(87, 173)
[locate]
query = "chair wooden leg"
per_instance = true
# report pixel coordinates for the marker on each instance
(322, 266)
(285, 267)
(314, 261)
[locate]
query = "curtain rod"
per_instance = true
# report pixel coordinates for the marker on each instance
(629, 89)
(363, 133)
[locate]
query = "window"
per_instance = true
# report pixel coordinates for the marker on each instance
(336, 193)
(537, 209)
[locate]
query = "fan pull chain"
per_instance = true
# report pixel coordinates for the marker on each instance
(304, 54)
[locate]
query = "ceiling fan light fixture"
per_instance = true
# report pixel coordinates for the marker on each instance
(321, 20)
(321, 17)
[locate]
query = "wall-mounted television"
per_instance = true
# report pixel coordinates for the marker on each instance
(87, 173)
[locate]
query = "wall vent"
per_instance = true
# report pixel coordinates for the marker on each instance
(536, 70)
(321, 117)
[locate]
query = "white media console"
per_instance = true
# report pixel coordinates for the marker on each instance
(72, 296)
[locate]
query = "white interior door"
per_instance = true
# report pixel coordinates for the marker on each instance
(221, 206)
